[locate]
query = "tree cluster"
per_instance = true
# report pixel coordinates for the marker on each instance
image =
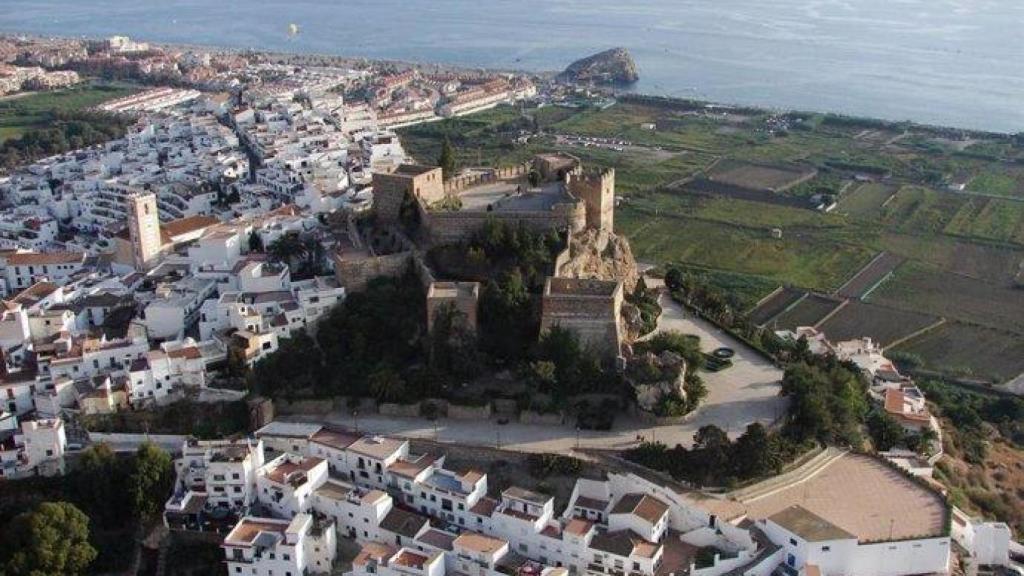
(65, 131)
(373, 340)
(303, 256)
(975, 416)
(55, 527)
(715, 459)
(828, 401)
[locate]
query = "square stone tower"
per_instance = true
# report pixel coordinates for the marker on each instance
(144, 230)
(464, 296)
(391, 190)
(597, 191)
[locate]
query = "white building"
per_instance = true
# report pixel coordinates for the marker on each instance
(37, 447)
(273, 547)
(286, 484)
(224, 470)
(811, 541)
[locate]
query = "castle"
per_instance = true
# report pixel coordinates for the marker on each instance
(551, 192)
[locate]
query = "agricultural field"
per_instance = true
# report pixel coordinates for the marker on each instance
(822, 264)
(923, 288)
(757, 176)
(871, 276)
(989, 219)
(969, 350)
(21, 113)
(777, 304)
(695, 191)
(808, 312)
(920, 209)
(866, 200)
(1000, 180)
(884, 325)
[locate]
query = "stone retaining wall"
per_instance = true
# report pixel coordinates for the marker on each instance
(400, 410)
(531, 417)
(457, 412)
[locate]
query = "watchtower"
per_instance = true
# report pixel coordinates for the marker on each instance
(597, 191)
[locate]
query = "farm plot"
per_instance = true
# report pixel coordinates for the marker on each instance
(991, 219)
(866, 200)
(969, 350)
(775, 305)
(813, 261)
(713, 188)
(773, 178)
(927, 289)
(1000, 180)
(870, 276)
(883, 325)
(920, 209)
(995, 264)
(808, 312)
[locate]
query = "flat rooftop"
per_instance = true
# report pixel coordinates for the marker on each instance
(413, 169)
(864, 497)
(454, 290)
(514, 196)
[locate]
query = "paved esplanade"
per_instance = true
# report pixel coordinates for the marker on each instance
(745, 393)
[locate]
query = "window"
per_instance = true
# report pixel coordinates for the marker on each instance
(793, 541)
(286, 557)
(826, 548)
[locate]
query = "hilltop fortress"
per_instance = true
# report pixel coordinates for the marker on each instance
(551, 192)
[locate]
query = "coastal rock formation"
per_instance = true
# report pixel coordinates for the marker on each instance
(615, 66)
(600, 255)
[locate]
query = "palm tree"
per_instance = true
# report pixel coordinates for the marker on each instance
(386, 384)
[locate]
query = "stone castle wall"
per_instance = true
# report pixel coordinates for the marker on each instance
(354, 275)
(460, 183)
(449, 227)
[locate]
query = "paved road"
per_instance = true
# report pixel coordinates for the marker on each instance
(745, 393)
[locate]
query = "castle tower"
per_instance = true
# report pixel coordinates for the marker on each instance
(144, 229)
(597, 191)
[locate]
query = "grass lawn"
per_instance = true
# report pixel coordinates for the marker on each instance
(21, 114)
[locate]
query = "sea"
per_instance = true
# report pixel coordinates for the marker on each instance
(947, 62)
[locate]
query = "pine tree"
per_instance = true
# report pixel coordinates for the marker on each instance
(447, 159)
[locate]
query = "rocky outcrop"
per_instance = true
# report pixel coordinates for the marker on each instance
(600, 255)
(615, 66)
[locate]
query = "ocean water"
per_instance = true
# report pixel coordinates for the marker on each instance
(949, 62)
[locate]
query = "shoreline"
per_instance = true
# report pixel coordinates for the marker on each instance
(542, 75)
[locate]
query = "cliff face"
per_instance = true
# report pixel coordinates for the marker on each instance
(615, 66)
(602, 256)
